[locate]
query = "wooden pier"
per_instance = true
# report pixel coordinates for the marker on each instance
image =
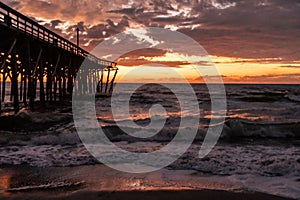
(40, 65)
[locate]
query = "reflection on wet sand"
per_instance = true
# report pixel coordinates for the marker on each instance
(4, 182)
(98, 180)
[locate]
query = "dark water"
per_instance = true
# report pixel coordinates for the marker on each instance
(252, 110)
(260, 138)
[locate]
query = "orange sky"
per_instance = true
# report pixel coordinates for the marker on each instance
(232, 70)
(249, 41)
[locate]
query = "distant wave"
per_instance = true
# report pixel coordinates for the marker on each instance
(243, 128)
(233, 128)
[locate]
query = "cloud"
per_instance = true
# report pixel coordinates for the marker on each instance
(139, 62)
(291, 66)
(147, 52)
(268, 78)
(55, 23)
(139, 57)
(251, 30)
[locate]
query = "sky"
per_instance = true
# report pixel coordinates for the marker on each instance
(249, 41)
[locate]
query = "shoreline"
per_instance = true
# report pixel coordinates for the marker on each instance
(99, 181)
(159, 195)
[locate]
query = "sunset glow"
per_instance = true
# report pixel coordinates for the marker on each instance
(232, 70)
(248, 48)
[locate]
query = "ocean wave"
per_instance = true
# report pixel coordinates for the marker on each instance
(244, 128)
(233, 128)
(49, 186)
(249, 158)
(293, 98)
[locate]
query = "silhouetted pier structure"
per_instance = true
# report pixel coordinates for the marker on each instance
(40, 64)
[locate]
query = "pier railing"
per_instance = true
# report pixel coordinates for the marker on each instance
(28, 26)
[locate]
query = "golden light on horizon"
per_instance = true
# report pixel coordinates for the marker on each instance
(231, 69)
(239, 70)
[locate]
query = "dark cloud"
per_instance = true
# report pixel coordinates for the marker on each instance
(127, 11)
(273, 78)
(232, 28)
(290, 66)
(121, 25)
(54, 23)
(14, 4)
(139, 57)
(253, 16)
(293, 78)
(148, 57)
(139, 62)
(146, 52)
(96, 31)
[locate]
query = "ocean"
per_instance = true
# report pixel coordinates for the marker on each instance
(259, 147)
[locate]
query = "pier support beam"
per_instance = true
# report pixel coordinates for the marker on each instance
(14, 82)
(112, 82)
(41, 80)
(107, 80)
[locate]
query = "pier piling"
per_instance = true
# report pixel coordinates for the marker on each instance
(37, 64)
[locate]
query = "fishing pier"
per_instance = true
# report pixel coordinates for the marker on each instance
(37, 64)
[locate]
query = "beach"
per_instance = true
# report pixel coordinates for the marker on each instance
(101, 182)
(256, 157)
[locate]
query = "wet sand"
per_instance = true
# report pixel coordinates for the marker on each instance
(167, 194)
(101, 182)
